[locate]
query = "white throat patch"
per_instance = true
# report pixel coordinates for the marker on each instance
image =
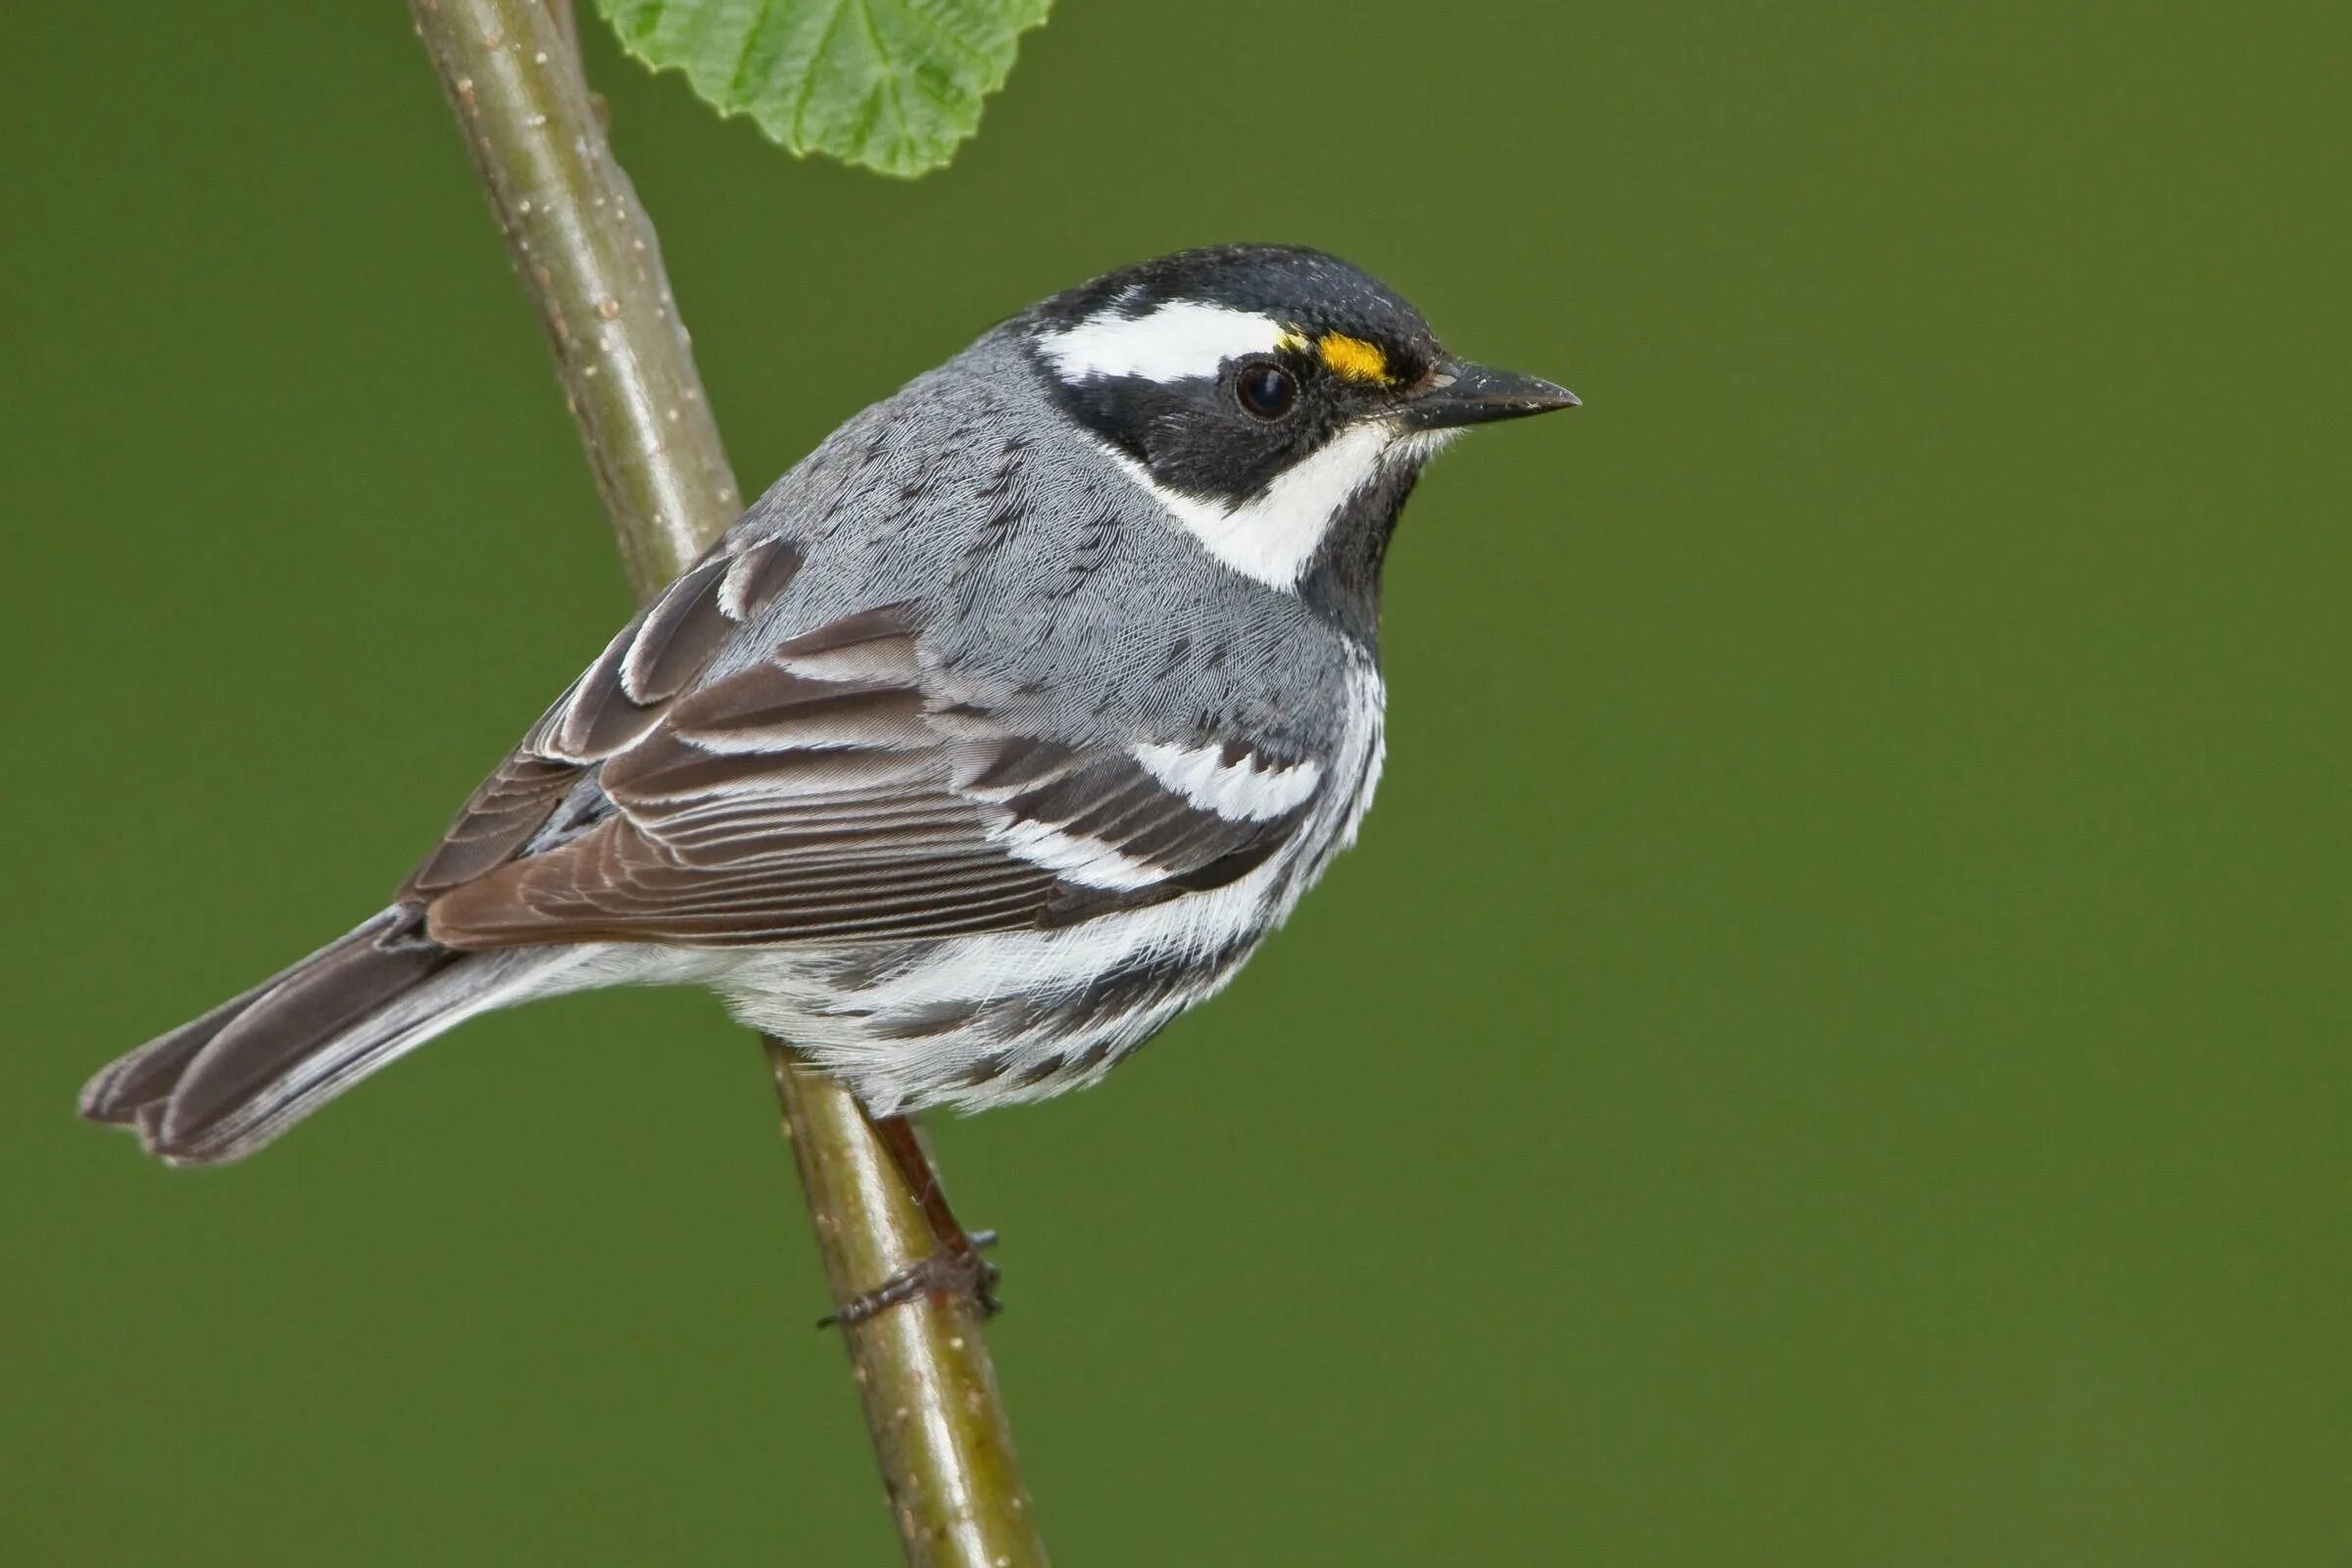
(1273, 537)
(1173, 343)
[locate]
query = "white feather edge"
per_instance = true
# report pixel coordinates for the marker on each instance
(1087, 862)
(1239, 792)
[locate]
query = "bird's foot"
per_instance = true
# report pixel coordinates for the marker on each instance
(949, 1272)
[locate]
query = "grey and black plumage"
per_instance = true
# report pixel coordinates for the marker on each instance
(998, 732)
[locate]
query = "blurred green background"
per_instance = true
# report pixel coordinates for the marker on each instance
(1832, 1050)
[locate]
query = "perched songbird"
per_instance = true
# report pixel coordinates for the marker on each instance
(995, 734)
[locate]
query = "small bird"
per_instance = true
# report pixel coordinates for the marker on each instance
(996, 733)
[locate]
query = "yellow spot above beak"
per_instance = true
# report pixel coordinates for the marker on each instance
(1352, 359)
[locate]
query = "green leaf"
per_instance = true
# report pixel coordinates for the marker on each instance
(893, 85)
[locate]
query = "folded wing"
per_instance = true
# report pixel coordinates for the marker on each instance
(830, 790)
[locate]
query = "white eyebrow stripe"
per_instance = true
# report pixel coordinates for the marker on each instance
(1245, 790)
(1175, 342)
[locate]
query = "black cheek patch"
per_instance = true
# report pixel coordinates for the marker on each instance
(1190, 435)
(1222, 452)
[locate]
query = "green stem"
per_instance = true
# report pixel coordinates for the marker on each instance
(590, 259)
(588, 254)
(931, 1401)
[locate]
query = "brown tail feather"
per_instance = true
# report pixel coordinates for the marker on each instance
(145, 1077)
(228, 1082)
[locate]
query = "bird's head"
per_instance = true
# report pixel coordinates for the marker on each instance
(1277, 400)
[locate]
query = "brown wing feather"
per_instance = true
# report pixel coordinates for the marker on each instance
(511, 804)
(825, 795)
(656, 655)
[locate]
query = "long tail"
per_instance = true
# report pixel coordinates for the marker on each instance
(223, 1086)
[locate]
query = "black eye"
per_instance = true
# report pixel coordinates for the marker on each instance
(1266, 390)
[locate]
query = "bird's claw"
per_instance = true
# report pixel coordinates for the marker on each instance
(952, 1272)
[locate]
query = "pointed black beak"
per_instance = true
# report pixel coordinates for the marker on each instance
(1473, 394)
